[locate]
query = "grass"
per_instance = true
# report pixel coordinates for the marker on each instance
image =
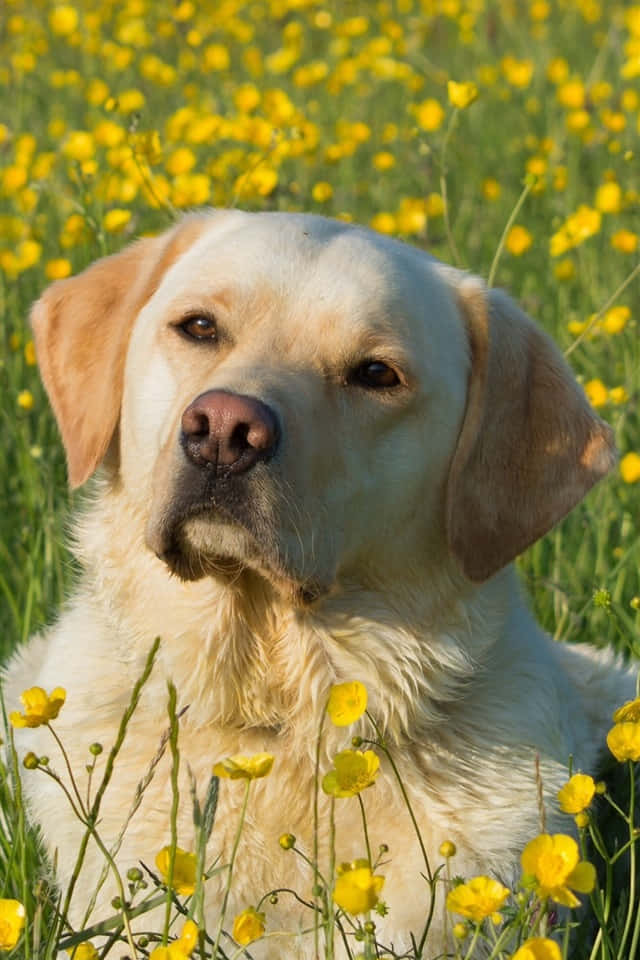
(116, 117)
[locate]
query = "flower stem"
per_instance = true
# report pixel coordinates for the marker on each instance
(234, 851)
(503, 239)
(175, 798)
(631, 908)
(366, 832)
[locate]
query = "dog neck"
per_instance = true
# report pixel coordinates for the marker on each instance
(242, 656)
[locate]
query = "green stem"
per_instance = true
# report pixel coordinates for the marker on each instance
(316, 822)
(443, 188)
(503, 239)
(366, 832)
(380, 742)
(234, 851)
(632, 906)
(175, 798)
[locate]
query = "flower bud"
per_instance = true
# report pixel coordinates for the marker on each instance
(447, 849)
(287, 841)
(30, 761)
(96, 749)
(369, 927)
(356, 741)
(273, 898)
(134, 874)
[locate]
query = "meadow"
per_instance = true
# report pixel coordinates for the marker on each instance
(502, 136)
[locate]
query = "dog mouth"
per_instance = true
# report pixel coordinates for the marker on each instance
(223, 533)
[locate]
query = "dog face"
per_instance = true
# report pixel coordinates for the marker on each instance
(315, 402)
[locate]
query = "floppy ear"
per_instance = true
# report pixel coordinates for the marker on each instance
(530, 446)
(81, 330)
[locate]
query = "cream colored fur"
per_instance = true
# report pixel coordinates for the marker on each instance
(386, 526)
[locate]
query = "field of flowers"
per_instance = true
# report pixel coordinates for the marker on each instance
(502, 136)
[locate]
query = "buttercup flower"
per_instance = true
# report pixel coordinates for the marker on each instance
(12, 918)
(577, 794)
(39, 708)
(630, 467)
(84, 951)
(477, 899)
(461, 95)
(347, 703)
(354, 770)
(248, 926)
(624, 741)
(184, 870)
(518, 240)
(539, 948)
(180, 949)
(629, 712)
(244, 768)
(357, 887)
(553, 862)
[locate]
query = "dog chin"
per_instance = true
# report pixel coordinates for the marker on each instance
(199, 547)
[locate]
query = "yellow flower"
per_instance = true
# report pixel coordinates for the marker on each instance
(63, 20)
(25, 401)
(461, 95)
(347, 703)
(615, 319)
(180, 949)
(624, 739)
(429, 115)
(517, 72)
(577, 794)
(79, 146)
(12, 917)
(572, 94)
(553, 863)
(564, 270)
(539, 948)
(184, 870)
(57, 269)
(479, 898)
(630, 468)
(447, 849)
(116, 220)
(629, 712)
(491, 189)
(357, 888)
(384, 160)
(383, 223)
(618, 395)
(322, 191)
(181, 160)
(84, 951)
(248, 926)
(38, 707)
(244, 768)
(596, 393)
(354, 770)
(609, 197)
(518, 240)
(625, 241)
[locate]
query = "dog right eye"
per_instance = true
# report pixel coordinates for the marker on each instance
(199, 327)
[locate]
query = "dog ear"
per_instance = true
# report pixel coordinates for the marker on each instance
(81, 330)
(530, 446)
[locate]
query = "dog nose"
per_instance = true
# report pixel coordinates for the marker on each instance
(229, 431)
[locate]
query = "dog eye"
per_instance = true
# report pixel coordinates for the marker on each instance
(199, 327)
(375, 375)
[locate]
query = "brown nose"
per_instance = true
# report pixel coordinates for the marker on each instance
(228, 431)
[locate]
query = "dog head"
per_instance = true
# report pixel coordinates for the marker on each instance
(311, 400)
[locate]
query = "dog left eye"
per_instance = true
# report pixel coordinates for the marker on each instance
(199, 327)
(375, 375)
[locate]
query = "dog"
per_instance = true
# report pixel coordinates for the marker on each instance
(317, 452)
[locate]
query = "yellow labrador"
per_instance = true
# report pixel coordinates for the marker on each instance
(320, 450)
